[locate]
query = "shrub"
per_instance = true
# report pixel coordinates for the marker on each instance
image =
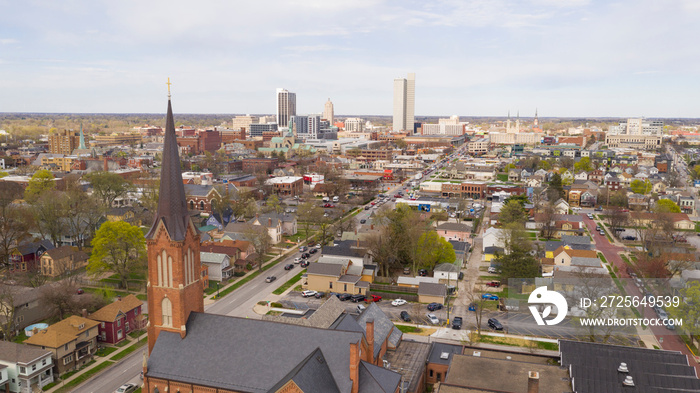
(239, 274)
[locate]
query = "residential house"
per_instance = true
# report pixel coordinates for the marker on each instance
(335, 275)
(72, 342)
(351, 250)
(583, 175)
(27, 303)
(637, 200)
(565, 227)
(567, 177)
(449, 272)
(573, 242)
(62, 260)
(126, 214)
(454, 231)
(574, 196)
(274, 228)
(596, 176)
(589, 198)
(24, 368)
(118, 319)
(201, 197)
(218, 265)
(25, 257)
(687, 204)
(287, 220)
(222, 247)
(681, 221)
(566, 256)
(534, 181)
(513, 175)
(612, 182)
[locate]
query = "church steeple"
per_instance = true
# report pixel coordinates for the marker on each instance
(537, 120)
(174, 288)
(82, 139)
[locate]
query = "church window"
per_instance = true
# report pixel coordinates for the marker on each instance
(167, 307)
(170, 272)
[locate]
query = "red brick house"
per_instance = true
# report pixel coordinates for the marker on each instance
(118, 319)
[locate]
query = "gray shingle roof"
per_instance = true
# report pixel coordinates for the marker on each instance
(20, 353)
(383, 326)
(594, 368)
(349, 278)
(430, 289)
(324, 317)
(324, 269)
(376, 379)
(569, 239)
(267, 355)
(446, 267)
(453, 226)
(437, 349)
(198, 189)
(311, 375)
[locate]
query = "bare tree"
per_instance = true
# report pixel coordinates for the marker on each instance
(7, 311)
(259, 238)
(63, 300)
(13, 223)
(615, 218)
(547, 218)
(590, 285)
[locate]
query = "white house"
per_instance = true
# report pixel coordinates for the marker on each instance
(219, 265)
(24, 368)
(492, 238)
(581, 176)
(446, 271)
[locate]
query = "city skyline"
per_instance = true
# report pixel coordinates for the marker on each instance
(477, 58)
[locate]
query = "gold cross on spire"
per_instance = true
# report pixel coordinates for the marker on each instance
(168, 87)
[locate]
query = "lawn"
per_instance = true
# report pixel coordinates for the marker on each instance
(506, 294)
(129, 350)
(515, 342)
(289, 283)
(106, 351)
(84, 377)
(502, 177)
(408, 329)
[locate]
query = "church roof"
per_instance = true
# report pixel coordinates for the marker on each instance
(172, 208)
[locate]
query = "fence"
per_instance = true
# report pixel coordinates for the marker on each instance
(394, 292)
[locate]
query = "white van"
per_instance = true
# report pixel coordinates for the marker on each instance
(326, 199)
(336, 199)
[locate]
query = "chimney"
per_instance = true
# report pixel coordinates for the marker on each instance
(106, 167)
(84, 313)
(533, 382)
(269, 221)
(354, 367)
(370, 340)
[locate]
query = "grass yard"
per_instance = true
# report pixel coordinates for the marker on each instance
(289, 283)
(106, 351)
(502, 176)
(505, 293)
(84, 377)
(129, 350)
(516, 342)
(409, 329)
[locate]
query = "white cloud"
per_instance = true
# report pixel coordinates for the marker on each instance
(8, 41)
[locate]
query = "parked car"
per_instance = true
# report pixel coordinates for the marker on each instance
(494, 284)
(361, 308)
(80, 291)
(318, 246)
(422, 272)
(308, 293)
(460, 276)
(494, 324)
(289, 266)
(297, 260)
(602, 232)
(367, 207)
(597, 227)
(362, 221)
(358, 298)
(373, 298)
(489, 296)
(434, 306)
(457, 323)
(492, 270)
(631, 238)
(305, 263)
(433, 319)
(344, 296)
(398, 302)
(126, 388)
(407, 270)
(599, 209)
(404, 316)
(473, 307)
(313, 251)
(270, 279)
(302, 248)
(319, 295)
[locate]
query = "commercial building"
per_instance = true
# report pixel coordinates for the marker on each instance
(637, 127)
(286, 106)
(63, 142)
(354, 124)
(241, 122)
(635, 141)
(442, 129)
(328, 111)
(478, 146)
(259, 129)
(287, 186)
(404, 103)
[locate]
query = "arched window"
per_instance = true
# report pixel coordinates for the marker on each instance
(187, 269)
(160, 271)
(167, 307)
(170, 272)
(191, 204)
(164, 263)
(201, 205)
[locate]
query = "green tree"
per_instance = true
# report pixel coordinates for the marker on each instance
(3, 174)
(512, 212)
(689, 311)
(433, 250)
(546, 165)
(517, 264)
(509, 167)
(584, 164)
(666, 206)
(274, 204)
(641, 186)
(41, 181)
(695, 172)
(119, 248)
(556, 185)
(108, 186)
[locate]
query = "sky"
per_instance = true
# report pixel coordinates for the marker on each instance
(565, 58)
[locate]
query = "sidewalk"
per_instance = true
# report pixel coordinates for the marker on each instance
(141, 339)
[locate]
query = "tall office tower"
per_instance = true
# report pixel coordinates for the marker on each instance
(313, 126)
(300, 126)
(63, 142)
(286, 106)
(328, 111)
(404, 103)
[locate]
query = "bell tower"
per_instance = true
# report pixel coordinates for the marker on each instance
(174, 270)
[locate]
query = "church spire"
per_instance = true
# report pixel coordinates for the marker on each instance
(82, 139)
(537, 120)
(172, 208)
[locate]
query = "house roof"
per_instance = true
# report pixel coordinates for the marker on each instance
(33, 247)
(432, 289)
(20, 295)
(570, 239)
(446, 267)
(284, 217)
(274, 351)
(575, 253)
(377, 379)
(346, 248)
(437, 349)
(62, 332)
(324, 269)
(20, 353)
(593, 368)
(66, 251)
(383, 327)
(110, 312)
(220, 247)
(212, 257)
(453, 226)
(591, 262)
(349, 278)
(199, 190)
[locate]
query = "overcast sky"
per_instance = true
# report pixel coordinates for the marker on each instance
(471, 57)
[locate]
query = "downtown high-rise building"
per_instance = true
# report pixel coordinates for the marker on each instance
(404, 103)
(286, 106)
(328, 111)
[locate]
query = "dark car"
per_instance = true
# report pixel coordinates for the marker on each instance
(319, 295)
(434, 306)
(460, 276)
(313, 251)
(494, 324)
(457, 323)
(80, 291)
(405, 317)
(345, 296)
(304, 263)
(422, 272)
(367, 207)
(302, 248)
(362, 221)
(289, 266)
(358, 298)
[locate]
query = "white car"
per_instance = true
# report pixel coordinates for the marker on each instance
(308, 293)
(492, 270)
(318, 245)
(297, 260)
(126, 388)
(433, 319)
(398, 302)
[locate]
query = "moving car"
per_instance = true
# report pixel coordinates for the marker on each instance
(289, 267)
(434, 306)
(270, 279)
(489, 296)
(433, 319)
(457, 323)
(308, 293)
(362, 221)
(404, 316)
(398, 302)
(126, 388)
(494, 324)
(313, 251)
